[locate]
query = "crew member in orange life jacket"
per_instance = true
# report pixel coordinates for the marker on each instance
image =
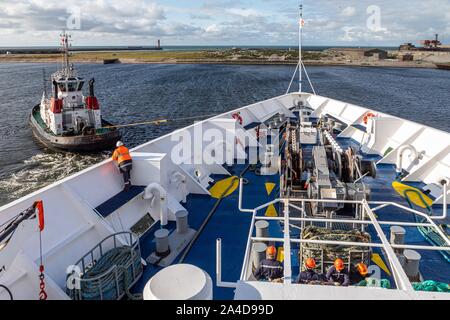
(122, 156)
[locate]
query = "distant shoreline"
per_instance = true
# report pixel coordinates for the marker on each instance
(220, 57)
(242, 62)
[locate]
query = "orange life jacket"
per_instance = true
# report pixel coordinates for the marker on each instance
(121, 154)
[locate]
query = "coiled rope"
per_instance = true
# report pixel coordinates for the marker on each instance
(331, 251)
(433, 286)
(92, 281)
(372, 282)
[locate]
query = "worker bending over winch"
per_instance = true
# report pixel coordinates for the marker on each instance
(270, 269)
(337, 275)
(310, 276)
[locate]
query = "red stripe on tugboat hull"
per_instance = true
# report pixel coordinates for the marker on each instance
(80, 143)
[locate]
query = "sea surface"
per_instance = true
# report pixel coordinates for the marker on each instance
(134, 93)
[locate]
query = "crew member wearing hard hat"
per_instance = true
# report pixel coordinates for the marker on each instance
(359, 273)
(122, 156)
(309, 275)
(270, 269)
(338, 274)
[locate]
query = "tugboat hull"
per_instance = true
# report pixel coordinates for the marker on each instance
(78, 143)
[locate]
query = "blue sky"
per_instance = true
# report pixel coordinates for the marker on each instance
(222, 22)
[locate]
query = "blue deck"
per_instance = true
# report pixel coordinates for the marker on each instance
(433, 266)
(111, 205)
(232, 226)
(228, 223)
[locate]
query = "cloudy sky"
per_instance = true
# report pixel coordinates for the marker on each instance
(227, 22)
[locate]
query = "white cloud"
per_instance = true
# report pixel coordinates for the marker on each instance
(213, 28)
(244, 12)
(348, 12)
(235, 22)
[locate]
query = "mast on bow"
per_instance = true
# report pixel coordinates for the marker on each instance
(300, 62)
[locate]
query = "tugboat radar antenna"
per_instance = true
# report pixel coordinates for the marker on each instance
(300, 63)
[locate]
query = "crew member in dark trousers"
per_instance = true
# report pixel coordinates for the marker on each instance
(270, 269)
(122, 156)
(309, 276)
(338, 275)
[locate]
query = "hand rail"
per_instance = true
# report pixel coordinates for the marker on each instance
(219, 282)
(241, 190)
(400, 277)
(444, 183)
(133, 247)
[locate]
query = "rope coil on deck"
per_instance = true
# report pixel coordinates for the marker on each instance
(331, 251)
(97, 278)
(432, 286)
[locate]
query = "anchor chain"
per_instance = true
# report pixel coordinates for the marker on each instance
(42, 292)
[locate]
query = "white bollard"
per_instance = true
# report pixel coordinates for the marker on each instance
(179, 282)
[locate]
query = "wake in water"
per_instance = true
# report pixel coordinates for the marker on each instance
(42, 170)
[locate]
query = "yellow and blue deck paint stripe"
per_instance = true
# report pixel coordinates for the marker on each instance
(218, 189)
(415, 196)
(271, 211)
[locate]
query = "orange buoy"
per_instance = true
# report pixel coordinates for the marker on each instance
(369, 115)
(238, 117)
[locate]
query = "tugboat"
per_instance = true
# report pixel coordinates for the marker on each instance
(69, 121)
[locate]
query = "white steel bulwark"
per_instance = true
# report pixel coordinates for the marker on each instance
(73, 226)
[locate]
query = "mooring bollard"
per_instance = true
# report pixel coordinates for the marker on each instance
(162, 242)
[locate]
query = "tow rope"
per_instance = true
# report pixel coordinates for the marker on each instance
(158, 121)
(39, 206)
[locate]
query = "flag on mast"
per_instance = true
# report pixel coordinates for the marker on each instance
(302, 23)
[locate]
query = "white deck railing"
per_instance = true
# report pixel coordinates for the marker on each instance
(402, 281)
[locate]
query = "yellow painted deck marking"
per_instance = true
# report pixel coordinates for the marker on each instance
(413, 196)
(220, 186)
(271, 211)
(376, 258)
(280, 254)
(269, 187)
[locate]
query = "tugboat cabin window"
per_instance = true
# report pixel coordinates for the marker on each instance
(62, 87)
(72, 86)
(80, 85)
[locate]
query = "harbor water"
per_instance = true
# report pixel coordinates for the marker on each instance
(131, 93)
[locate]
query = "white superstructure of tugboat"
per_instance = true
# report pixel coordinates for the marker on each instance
(67, 120)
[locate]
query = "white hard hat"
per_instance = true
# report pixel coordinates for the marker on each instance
(119, 144)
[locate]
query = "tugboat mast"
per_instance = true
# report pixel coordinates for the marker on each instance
(65, 51)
